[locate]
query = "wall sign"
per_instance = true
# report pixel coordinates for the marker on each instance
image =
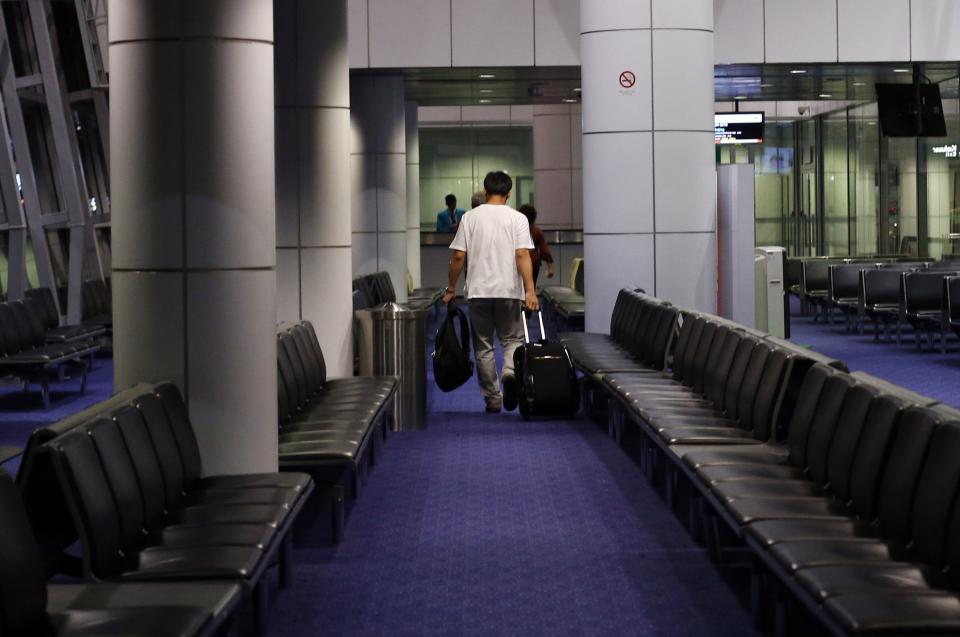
(947, 150)
(628, 79)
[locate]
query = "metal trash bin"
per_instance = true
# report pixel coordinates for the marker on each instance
(391, 339)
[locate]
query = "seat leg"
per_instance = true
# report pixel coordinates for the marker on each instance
(337, 506)
(756, 594)
(286, 561)
(261, 606)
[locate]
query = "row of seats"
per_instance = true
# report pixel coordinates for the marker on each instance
(567, 302)
(895, 294)
(125, 479)
(375, 289)
(331, 427)
(33, 352)
(844, 489)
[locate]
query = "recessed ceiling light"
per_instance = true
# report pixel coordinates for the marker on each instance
(484, 101)
(569, 100)
(577, 90)
(740, 97)
(766, 85)
(901, 70)
(825, 95)
(486, 76)
(486, 90)
(871, 123)
(859, 83)
(797, 71)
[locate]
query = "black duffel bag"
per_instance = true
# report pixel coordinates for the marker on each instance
(452, 366)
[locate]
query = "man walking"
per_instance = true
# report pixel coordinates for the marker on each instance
(500, 279)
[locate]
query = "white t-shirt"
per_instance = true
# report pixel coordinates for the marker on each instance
(490, 235)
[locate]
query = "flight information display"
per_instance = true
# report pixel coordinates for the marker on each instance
(738, 128)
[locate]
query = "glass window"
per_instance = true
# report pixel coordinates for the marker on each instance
(940, 165)
(836, 202)
(864, 178)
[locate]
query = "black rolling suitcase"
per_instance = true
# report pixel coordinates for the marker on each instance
(547, 382)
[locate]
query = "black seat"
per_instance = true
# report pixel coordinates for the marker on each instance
(28, 606)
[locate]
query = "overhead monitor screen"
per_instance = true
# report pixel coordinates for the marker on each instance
(908, 110)
(738, 128)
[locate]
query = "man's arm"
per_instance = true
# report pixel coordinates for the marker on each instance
(457, 259)
(525, 268)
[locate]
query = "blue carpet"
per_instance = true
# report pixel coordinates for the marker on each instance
(930, 373)
(489, 525)
(21, 413)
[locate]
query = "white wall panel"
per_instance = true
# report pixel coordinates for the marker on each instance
(357, 33)
(552, 141)
(615, 262)
(622, 190)
(323, 173)
(409, 33)
(801, 31)
(934, 28)
(230, 223)
(288, 204)
(288, 284)
(686, 199)
(682, 101)
(363, 194)
(218, 367)
(873, 30)
(689, 14)
(599, 15)
(148, 308)
(687, 270)
(554, 208)
(608, 106)
(328, 295)
(391, 192)
(738, 30)
(492, 33)
(557, 32)
(485, 113)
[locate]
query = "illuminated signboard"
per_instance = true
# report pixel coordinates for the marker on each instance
(738, 128)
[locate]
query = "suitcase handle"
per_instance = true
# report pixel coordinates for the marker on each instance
(526, 332)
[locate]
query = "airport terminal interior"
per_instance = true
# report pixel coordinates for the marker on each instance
(234, 399)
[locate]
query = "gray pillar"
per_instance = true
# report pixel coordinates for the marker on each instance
(194, 282)
(379, 177)
(413, 193)
(557, 174)
(649, 179)
(313, 173)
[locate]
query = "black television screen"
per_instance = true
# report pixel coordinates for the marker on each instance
(738, 128)
(898, 108)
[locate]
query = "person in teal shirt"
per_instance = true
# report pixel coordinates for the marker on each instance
(448, 219)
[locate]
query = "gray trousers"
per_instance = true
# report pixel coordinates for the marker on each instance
(489, 317)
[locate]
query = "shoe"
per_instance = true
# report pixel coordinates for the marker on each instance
(509, 392)
(493, 407)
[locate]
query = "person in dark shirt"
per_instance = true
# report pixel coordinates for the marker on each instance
(541, 251)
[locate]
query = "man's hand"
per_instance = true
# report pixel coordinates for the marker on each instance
(449, 296)
(531, 302)
(550, 271)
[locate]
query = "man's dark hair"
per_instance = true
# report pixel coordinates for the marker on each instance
(529, 212)
(498, 183)
(451, 199)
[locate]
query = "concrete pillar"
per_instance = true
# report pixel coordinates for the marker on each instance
(314, 267)
(194, 282)
(557, 174)
(379, 176)
(413, 193)
(649, 179)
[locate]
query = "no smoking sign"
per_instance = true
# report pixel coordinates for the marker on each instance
(628, 79)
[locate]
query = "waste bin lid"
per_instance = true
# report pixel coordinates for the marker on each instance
(395, 312)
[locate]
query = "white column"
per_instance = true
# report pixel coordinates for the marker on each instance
(194, 283)
(413, 193)
(557, 174)
(649, 180)
(314, 266)
(379, 176)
